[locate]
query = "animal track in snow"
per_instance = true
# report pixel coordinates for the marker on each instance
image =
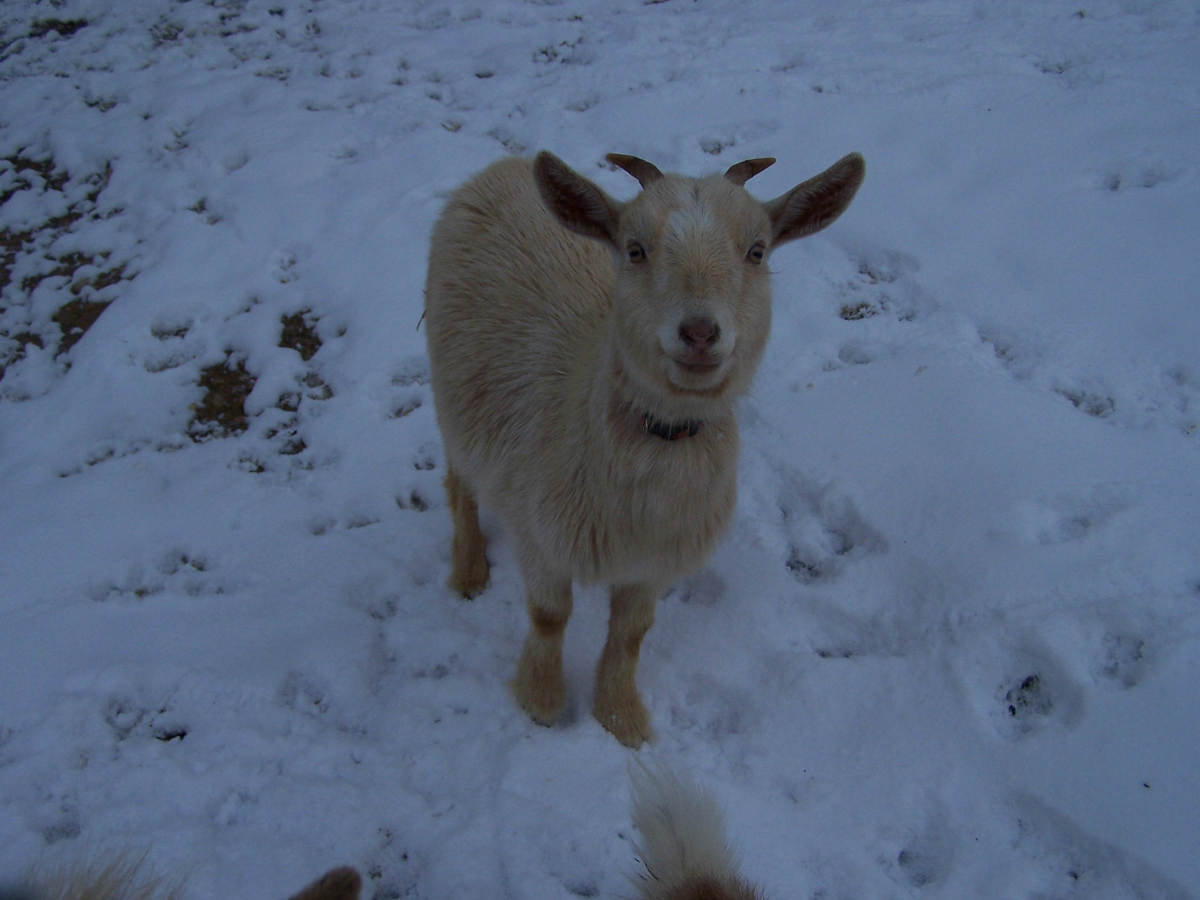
(711, 708)
(175, 572)
(1027, 698)
(884, 284)
(1021, 355)
(175, 347)
(1159, 390)
(1072, 517)
(705, 588)
(857, 353)
(1140, 175)
(127, 717)
(1025, 359)
(1098, 404)
(1061, 859)
(1020, 687)
(825, 532)
(925, 857)
(748, 132)
(407, 404)
(411, 384)
(66, 823)
(414, 500)
(1121, 659)
(424, 460)
(411, 371)
(389, 870)
(874, 303)
(508, 140)
(1041, 694)
(304, 694)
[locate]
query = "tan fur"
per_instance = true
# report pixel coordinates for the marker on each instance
(127, 878)
(553, 332)
(117, 878)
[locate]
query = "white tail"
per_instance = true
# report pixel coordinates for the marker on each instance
(683, 848)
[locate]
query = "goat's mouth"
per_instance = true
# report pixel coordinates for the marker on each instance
(702, 367)
(703, 372)
(701, 360)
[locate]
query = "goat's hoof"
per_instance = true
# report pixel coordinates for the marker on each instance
(470, 581)
(625, 719)
(542, 698)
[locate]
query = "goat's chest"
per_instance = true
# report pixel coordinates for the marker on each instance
(642, 519)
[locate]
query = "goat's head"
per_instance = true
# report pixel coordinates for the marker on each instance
(691, 298)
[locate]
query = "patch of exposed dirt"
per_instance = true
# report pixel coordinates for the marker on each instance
(299, 334)
(75, 318)
(61, 27)
(222, 410)
(32, 249)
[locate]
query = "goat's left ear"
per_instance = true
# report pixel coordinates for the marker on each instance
(576, 202)
(811, 206)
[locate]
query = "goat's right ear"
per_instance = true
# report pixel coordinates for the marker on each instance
(574, 201)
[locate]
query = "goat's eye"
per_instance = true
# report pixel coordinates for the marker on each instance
(637, 253)
(757, 253)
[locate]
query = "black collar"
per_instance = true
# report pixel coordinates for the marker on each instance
(669, 431)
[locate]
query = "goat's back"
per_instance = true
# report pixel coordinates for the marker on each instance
(513, 303)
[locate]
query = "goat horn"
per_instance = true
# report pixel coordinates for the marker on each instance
(740, 173)
(645, 172)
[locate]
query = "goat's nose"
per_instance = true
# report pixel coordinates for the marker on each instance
(699, 332)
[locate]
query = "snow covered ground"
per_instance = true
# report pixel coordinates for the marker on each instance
(950, 647)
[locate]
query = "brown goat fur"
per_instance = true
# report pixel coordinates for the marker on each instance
(570, 334)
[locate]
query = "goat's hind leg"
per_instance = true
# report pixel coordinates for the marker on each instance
(468, 557)
(617, 705)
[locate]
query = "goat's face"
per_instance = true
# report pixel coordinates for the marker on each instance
(691, 298)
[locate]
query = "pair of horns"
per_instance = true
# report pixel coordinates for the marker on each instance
(647, 173)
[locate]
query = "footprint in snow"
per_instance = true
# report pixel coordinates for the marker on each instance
(884, 285)
(176, 572)
(825, 531)
(63, 823)
(926, 857)
(1121, 660)
(718, 711)
(1072, 516)
(1140, 175)
(1027, 703)
(126, 717)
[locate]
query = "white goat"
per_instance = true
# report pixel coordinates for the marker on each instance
(586, 355)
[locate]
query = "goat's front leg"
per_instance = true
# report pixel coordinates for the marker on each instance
(539, 686)
(617, 705)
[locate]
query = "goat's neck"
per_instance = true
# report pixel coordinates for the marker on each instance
(624, 402)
